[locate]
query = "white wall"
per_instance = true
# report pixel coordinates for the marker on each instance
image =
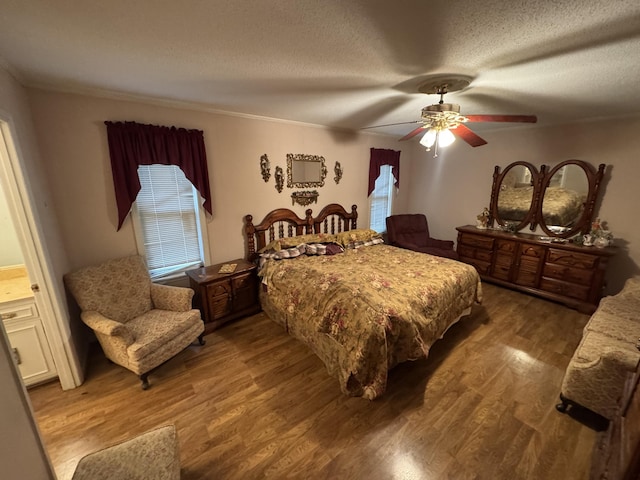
(73, 140)
(453, 188)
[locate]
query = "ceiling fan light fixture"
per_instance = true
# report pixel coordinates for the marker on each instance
(445, 138)
(429, 138)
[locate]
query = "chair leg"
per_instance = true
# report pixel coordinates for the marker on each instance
(201, 339)
(562, 407)
(145, 381)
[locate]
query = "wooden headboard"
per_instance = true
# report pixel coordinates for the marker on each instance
(282, 222)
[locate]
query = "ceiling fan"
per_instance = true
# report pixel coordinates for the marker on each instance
(442, 122)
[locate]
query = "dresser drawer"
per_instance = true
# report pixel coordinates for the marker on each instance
(471, 252)
(505, 259)
(18, 310)
(568, 274)
(571, 259)
(531, 250)
(506, 246)
(477, 241)
(219, 288)
(247, 280)
(565, 289)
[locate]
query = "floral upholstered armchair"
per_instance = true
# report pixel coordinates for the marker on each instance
(411, 231)
(139, 324)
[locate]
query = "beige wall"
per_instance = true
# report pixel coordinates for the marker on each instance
(73, 140)
(21, 451)
(453, 188)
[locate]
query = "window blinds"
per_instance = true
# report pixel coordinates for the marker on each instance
(381, 199)
(168, 212)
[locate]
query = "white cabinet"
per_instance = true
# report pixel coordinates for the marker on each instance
(28, 340)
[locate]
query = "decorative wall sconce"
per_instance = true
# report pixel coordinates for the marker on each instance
(338, 171)
(265, 167)
(305, 197)
(279, 176)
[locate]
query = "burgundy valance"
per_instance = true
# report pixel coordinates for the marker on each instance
(132, 144)
(379, 157)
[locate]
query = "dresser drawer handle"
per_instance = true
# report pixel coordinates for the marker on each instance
(7, 316)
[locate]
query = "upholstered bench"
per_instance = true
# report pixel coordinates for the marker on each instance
(607, 356)
(154, 455)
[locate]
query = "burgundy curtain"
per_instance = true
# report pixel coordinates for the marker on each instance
(379, 157)
(132, 144)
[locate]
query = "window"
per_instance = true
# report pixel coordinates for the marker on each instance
(381, 199)
(168, 223)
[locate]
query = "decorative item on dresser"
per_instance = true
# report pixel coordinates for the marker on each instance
(548, 267)
(222, 297)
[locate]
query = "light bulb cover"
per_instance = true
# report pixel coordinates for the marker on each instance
(446, 138)
(429, 138)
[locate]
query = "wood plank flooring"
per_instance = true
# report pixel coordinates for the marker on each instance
(254, 403)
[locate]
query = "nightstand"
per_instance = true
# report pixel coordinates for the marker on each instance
(222, 297)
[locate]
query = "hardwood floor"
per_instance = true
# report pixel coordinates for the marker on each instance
(254, 403)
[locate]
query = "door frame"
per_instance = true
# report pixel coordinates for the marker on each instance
(53, 312)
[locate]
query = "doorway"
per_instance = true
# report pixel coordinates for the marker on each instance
(46, 320)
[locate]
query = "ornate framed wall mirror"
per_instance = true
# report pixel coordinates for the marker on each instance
(305, 171)
(560, 199)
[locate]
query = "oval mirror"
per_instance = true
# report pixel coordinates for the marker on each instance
(515, 194)
(569, 192)
(564, 198)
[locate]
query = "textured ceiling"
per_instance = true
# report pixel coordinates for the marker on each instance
(343, 63)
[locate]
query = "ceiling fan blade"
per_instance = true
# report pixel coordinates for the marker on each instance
(413, 133)
(502, 118)
(469, 136)
(390, 124)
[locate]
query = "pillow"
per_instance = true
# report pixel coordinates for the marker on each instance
(308, 238)
(357, 235)
(287, 242)
(323, 249)
(368, 243)
(284, 253)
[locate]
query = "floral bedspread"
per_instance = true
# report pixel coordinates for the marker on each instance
(367, 309)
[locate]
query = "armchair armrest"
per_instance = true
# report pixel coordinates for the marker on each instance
(407, 245)
(174, 299)
(443, 244)
(101, 324)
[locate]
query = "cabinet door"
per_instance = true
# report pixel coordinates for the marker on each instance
(245, 291)
(31, 350)
(530, 263)
(219, 299)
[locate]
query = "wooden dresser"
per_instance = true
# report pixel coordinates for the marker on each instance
(563, 272)
(222, 297)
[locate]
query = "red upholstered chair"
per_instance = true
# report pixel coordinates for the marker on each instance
(411, 231)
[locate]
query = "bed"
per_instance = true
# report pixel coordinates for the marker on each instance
(361, 306)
